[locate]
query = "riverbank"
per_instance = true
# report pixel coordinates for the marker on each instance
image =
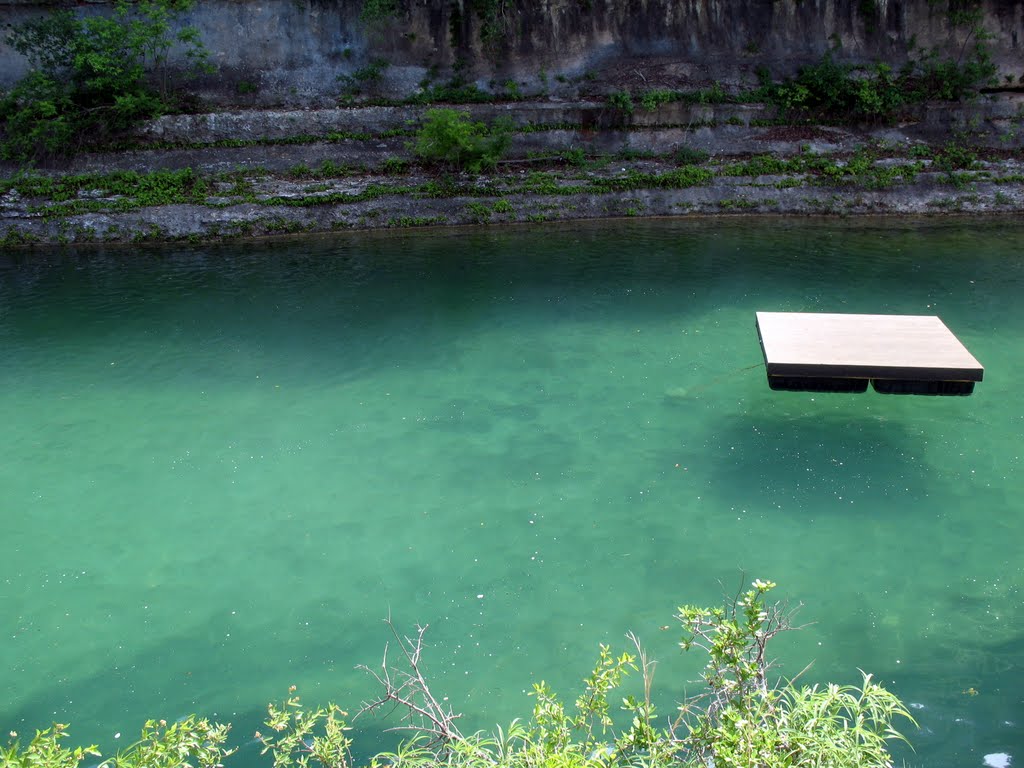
(250, 173)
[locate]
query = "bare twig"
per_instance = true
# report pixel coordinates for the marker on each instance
(405, 687)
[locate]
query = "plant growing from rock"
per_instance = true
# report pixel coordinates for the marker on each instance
(92, 77)
(450, 139)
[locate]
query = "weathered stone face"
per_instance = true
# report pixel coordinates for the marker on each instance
(270, 52)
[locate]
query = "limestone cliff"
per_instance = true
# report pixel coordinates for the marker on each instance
(293, 52)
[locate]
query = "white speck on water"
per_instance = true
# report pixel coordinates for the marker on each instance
(998, 760)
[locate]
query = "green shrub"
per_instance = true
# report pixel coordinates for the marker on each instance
(714, 95)
(952, 80)
(44, 750)
(38, 118)
(837, 92)
(741, 720)
(621, 100)
(653, 98)
(353, 85)
(190, 741)
(395, 165)
(749, 721)
(512, 91)
(573, 156)
(91, 77)
(690, 156)
(449, 138)
(841, 91)
(456, 91)
(376, 12)
(956, 157)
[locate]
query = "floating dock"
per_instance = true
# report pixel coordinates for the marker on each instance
(897, 354)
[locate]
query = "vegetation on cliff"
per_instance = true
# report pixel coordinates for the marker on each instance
(93, 77)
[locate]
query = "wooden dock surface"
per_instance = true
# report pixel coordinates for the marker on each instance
(900, 347)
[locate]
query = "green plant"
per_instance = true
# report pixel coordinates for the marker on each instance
(495, 18)
(761, 165)
(840, 92)
(512, 91)
(416, 221)
(191, 741)
(394, 165)
(92, 77)
(737, 203)
(449, 138)
(44, 749)
(653, 98)
(951, 79)
(455, 91)
(748, 721)
(297, 735)
(479, 211)
(956, 156)
(743, 719)
(714, 95)
(689, 156)
(573, 156)
(622, 101)
(352, 85)
(376, 12)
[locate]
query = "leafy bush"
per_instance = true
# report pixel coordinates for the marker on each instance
(375, 12)
(621, 100)
(573, 156)
(457, 90)
(741, 720)
(750, 722)
(394, 165)
(91, 77)
(949, 80)
(843, 92)
(956, 157)
(189, 741)
(44, 750)
(38, 118)
(689, 156)
(830, 89)
(653, 98)
(365, 77)
(451, 139)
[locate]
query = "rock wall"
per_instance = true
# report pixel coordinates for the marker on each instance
(292, 52)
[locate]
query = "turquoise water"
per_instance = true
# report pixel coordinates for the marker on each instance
(223, 466)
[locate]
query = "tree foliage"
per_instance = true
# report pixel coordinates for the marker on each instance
(449, 138)
(92, 77)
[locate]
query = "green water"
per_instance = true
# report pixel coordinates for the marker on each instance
(222, 467)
